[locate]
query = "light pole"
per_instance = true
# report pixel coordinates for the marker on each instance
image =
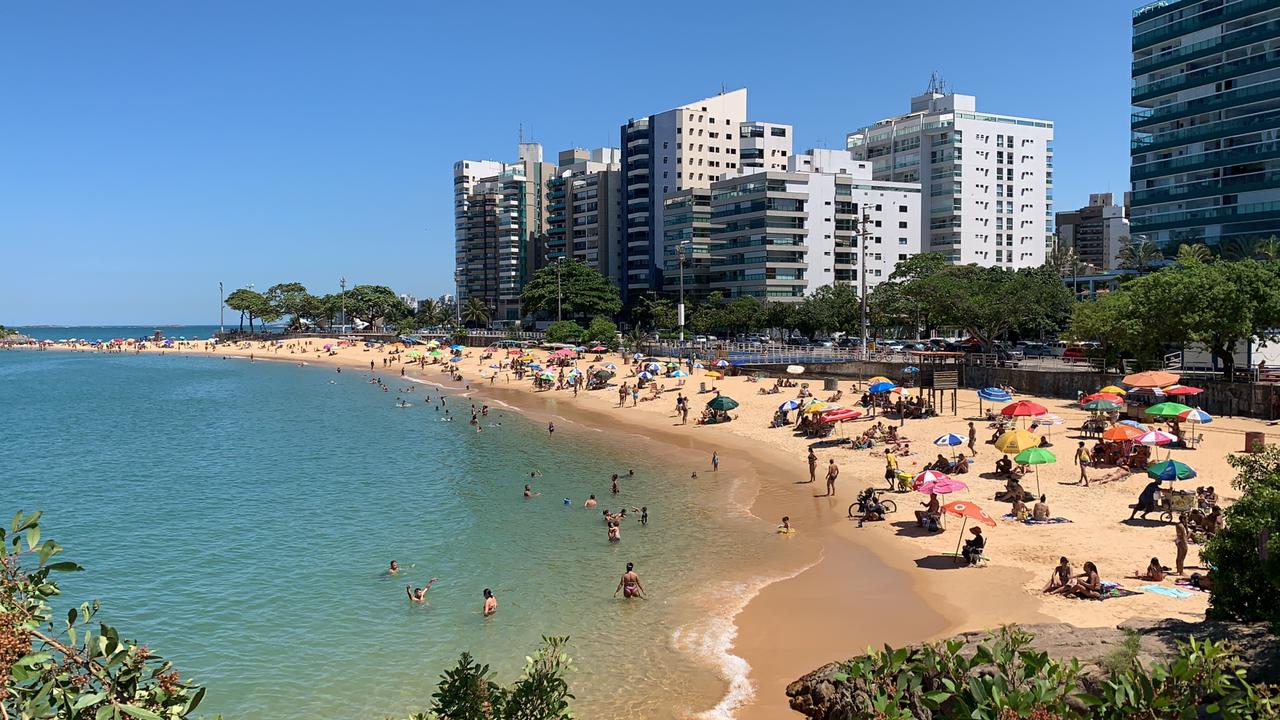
(457, 294)
(342, 283)
(559, 303)
(862, 275)
(680, 308)
(222, 312)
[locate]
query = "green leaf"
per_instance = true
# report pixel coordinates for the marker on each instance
(87, 700)
(65, 566)
(33, 537)
(937, 698)
(104, 712)
(35, 658)
(139, 713)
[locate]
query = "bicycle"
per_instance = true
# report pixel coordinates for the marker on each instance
(859, 507)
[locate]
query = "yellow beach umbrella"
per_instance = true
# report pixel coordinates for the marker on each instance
(1113, 390)
(878, 378)
(1015, 441)
(816, 407)
(714, 374)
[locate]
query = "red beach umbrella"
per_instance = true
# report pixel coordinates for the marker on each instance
(1182, 390)
(1023, 408)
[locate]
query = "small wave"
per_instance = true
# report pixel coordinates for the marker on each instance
(712, 640)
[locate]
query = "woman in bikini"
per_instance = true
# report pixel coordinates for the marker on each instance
(1090, 583)
(630, 584)
(1060, 578)
(1154, 571)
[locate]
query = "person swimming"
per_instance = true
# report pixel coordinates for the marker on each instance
(419, 595)
(528, 491)
(394, 569)
(630, 584)
(590, 503)
(490, 602)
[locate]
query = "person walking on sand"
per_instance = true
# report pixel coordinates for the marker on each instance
(833, 472)
(973, 439)
(1082, 459)
(490, 603)
(684, 413)
(630, 584)
(813, 466)
(1180, 543)
(890, 468)
(715, 461)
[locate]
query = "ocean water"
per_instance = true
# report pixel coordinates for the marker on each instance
(238, 518)
(111, 332)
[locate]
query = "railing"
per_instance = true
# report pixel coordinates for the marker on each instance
(750, 353)
(1173, 361)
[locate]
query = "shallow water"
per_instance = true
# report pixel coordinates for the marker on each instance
(238, 518)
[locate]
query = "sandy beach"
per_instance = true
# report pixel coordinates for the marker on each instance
(882, 582)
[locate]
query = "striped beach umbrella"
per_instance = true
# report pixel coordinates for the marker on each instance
(949, 440)
(1196, 415)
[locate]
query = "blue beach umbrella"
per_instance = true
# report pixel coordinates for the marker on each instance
(679, 373)
(1136, 424)
(455, 359)
(457, 347)
(698, 366)
(911, 369)
(994, 394)
(645, 376)
(882, 387)
(534, 366)
(949, 440)
(575, 371)
(790, 405)
(722, 363)
(654, 367)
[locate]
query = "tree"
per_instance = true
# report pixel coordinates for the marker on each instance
(707, 317)
(564, 331)
(249, 303)
(833, 308)
(572, 288)
(1245, 556)
(1139, 255)
(431, 313)
(78, 667)
(1193, 252)
(602, 331)
(376, 305)
(476, 312)
(989, 302)
(654, 313)
(291, 300)
(744, 314)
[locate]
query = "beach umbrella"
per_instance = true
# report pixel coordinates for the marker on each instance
(1023, 408)
(512, 351)
(574, 371)
(1170, 470)
(994, 394)
(328, 346)
(1114, 390)
(1150, 379)
(940, 486)
(929, 476)
(795, 369)
(637, 356)
(653, 367)
(723, 403)
(535, 366)
(721, 363)
(679, 373)
(546, 376)
(839, 415)
(457, 347)
(879, 379)
(698, 366)
(1035, 456)
(817, 407)
(1135, 424)
(1156, 437)
(603, 375)
(789, 405)
(883, 386)
(1049, 421)
(645, 376)
(1196, 415)
(527, 357)
(610, 366)
(949, 440)
(911, 369)
(714, 374)
(1101, 396)
(1167, 409)
(967, 511)
(1121, 433)
(1015, 441)
(598, 348)
(1182, 390)
(673, 364)
(433, 343)
(456, 359)
(1101, 406)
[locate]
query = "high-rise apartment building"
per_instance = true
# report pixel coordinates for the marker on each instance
(690, 146)
(778, 235)
(500, 220)
(584, 206)
(1095, 232)
(763, 146)
(986, 179)
(687, 230)
(1206, 127)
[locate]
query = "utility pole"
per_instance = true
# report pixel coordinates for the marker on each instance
(862, 275)
(559, 303)
(342, 283)
(680, 309)
(457, 304)
(222, 312)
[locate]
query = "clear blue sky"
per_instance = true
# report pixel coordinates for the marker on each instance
(149, 149)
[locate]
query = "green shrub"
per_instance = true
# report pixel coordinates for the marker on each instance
(1245, 556)
(468, 692)
(563, 331)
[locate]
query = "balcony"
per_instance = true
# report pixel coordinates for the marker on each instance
(1254, 123)
(1206, 216)
(1217, 16)
(1198, 50)
(1217, 101)
(1233, 156)
(1204, 76)
(1207, 188)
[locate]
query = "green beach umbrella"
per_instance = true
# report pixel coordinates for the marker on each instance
(435, 353)
(1101, 406)
(724, 403)
(1035, 456)
(1167, 409)
(1170, 470)
(547, 376)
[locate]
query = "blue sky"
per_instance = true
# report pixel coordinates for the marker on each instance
(149, 149)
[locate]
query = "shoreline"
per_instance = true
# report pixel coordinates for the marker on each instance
(774, 632)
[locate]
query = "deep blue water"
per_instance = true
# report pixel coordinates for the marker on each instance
(238, 517)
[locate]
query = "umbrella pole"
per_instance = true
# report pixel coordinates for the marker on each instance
(1037, 481)
(963, 522)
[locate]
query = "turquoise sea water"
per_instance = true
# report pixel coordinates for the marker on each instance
(110, 332)
(238, 518)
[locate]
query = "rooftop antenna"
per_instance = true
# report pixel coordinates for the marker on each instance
(521, 131)
(722, 88)
(937, 86)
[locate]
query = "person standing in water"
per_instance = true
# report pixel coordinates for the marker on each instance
(613, 484)
(419, 595)
(833, 472)
(630, 584)
(715, 461)
(490, 603)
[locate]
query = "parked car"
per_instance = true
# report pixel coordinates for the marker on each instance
(1073, 354)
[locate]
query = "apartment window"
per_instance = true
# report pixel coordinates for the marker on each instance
(902, 256)
(665, 160)
(664, 174)
(902, 224)
(878, 209)
(877, 222)
(664, 144)
(664, 188)
(902, 241)
(902, 208)
(778, 132)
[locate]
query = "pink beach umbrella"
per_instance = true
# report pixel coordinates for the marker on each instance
(1156, 437)
(944, 486)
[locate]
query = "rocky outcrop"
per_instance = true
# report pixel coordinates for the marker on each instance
(822, 696)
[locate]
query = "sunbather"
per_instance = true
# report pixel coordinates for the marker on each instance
(1040, 511)
(1060, 577)
(1155, 572)
(1090, 583)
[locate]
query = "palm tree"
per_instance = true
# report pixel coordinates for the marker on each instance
(475, 311)
(430, 312)
(1139, 255)
(1269, 249)
(1193, 252)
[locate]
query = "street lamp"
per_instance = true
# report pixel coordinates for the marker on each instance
(559, 304)
(222, 312)
(862, 275)
(342, 283)
(680, 308)
(457, 294)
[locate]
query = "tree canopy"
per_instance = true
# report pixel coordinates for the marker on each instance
(575, 288)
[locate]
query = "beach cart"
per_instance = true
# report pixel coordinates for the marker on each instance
(1174, 503)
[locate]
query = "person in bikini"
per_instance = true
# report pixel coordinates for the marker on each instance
(1154, 572)
(630, 584)
(1061, 577)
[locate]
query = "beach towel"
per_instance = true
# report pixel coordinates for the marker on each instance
(1032, 521)
(1166, 591)
(1111, 590)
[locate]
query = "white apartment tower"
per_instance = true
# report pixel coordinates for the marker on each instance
(986, 180)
